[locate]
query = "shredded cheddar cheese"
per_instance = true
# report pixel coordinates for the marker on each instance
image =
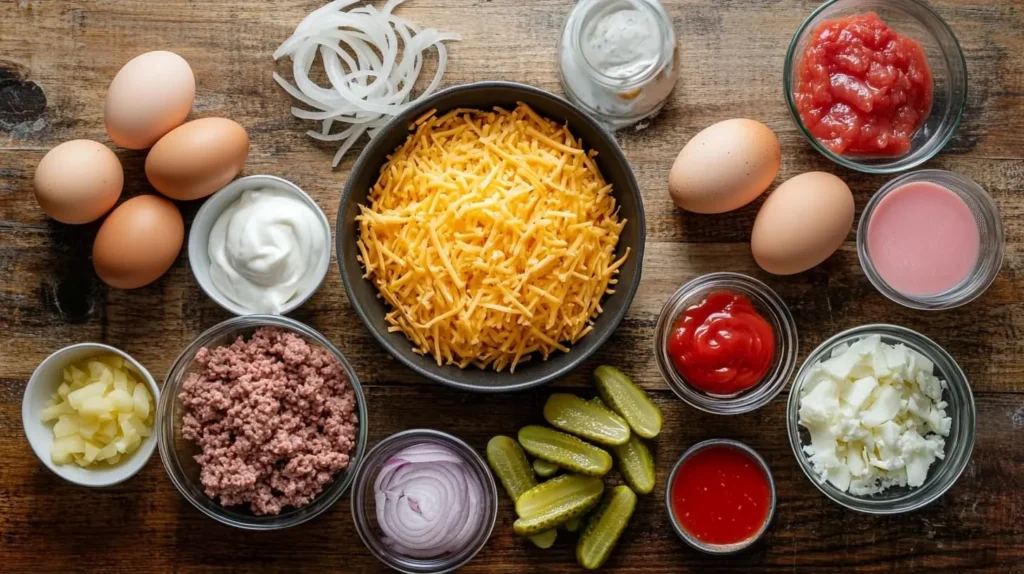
(492, 236)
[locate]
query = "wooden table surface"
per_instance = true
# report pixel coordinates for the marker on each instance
(56, 61)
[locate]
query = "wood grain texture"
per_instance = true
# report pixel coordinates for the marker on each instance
(57, 58)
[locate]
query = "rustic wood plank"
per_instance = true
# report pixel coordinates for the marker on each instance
(56, 60)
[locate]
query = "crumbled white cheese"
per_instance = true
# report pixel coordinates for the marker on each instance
(875, 415)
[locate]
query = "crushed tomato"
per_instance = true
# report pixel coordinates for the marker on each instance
(863, 88)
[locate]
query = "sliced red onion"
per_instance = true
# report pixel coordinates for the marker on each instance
(428, 501)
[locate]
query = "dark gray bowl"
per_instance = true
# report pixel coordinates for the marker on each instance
(613, 165)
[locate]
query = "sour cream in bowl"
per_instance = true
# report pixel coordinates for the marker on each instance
(260, 245)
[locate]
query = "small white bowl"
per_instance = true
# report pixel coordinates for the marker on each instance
(41, 386)
(206, 217)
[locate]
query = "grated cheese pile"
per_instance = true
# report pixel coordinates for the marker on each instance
(492, 236)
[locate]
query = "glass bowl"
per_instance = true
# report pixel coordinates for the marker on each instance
(959, 444)
(364, 502)
(178, 453)
(719, 548)
(945, 58)
(990, 253)
(768, 304)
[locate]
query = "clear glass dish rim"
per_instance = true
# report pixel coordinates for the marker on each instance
(966, 438)
(720, 549)
(165, 408)
(941, 301)
(766, 390)
(787, 76)
(362, 521)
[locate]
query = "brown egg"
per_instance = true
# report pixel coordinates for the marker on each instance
(150, 96)
(197, 158)
(725, 166)
(138, 242)
(802, 223)
(78, 181)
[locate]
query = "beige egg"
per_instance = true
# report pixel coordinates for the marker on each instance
(197, 158)
(150, 96)
(78, 181)
(725, 166)
(138, 242)
(803, 222)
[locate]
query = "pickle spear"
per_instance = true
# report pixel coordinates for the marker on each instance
(507, 460)
(545, 539)
(545, 469)
(605, 527)
(588, 420)
(565, 450)
(553, 503)
(628, 400)
(636, 464)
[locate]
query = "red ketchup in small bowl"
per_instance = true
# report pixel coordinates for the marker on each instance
(722, 345)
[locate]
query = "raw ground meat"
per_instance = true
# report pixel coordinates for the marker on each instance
(275, 418)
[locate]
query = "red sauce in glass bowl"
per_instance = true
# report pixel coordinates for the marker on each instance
(721, 495)
(863, 88)
(722, 345)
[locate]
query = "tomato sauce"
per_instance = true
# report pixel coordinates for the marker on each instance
(863, 88)
(722, 345)
(721, 495)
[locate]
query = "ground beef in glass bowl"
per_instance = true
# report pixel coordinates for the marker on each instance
(262, 423)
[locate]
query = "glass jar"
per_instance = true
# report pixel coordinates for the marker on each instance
(618, 60)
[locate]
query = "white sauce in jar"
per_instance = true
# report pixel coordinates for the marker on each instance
(621, 43)
(617, 59)
(267, 250)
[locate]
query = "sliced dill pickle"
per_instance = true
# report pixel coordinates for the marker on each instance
(507, 459)
(545, 539)
(579, 417)
(565, 450)
(604, 527)
(553, 503)
(573, 525)
(545, 469)
(636, 464)
(628, 400)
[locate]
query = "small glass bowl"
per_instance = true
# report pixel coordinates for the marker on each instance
(768, 304)
(945, 58)
(990, 231)
(364, 510)
(959, 444)
(719, 548)
(178, 453)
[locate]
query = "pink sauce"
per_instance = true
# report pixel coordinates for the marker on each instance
(923, 239)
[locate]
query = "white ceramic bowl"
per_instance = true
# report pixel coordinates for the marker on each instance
(206, 217)
(41, 386)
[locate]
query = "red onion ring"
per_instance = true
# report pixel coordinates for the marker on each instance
(428, 501)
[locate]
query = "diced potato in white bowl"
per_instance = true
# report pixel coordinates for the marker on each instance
(88, 413)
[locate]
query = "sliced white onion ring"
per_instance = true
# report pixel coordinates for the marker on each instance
(372, 60)
(428, 501)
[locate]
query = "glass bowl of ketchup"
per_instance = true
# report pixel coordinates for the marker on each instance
(878, 86)
(726, 343)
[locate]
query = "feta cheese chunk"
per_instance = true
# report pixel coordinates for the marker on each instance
(875, 415)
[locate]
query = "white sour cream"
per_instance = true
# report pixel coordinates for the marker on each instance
(622, 43)
(267, 250)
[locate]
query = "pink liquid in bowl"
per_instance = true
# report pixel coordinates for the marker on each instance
(923, 239)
